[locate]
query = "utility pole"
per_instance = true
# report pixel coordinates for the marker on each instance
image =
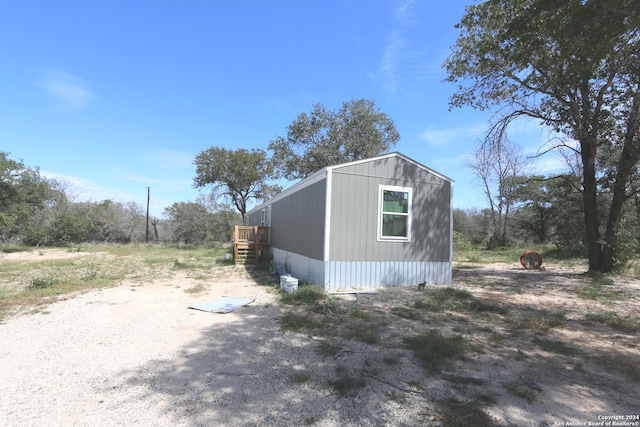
(148, 199)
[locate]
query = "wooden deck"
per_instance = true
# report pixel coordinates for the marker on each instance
(250, 244)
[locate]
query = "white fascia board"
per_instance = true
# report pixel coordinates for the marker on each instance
(395, 154)
(327, 215)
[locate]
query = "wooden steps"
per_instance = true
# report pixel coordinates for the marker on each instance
(250, 244)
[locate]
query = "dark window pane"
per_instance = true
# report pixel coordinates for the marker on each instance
(395, 201)
(394, 225)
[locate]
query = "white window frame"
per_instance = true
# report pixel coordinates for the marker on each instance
(409, 214)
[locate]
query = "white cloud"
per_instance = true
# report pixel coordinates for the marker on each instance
(165, 183)
(82, 189)
(394, 52)
(390, 59)
(69, 91)
(440, 137)
(170, 158)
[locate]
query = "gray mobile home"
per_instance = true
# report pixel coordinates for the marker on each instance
(383, 221)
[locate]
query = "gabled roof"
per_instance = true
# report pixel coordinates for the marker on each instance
(322, 173)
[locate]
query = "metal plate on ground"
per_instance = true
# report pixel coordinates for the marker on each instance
(222, 305)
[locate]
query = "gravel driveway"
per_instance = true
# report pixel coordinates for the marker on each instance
(136, 355)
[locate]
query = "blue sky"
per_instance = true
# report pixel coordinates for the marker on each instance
(114, 97)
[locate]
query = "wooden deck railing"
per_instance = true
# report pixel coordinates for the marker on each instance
(250, 243)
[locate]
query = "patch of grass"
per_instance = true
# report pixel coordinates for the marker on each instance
(398, 398)
(627, 365)
(458, 300)
(307, 294)
(177, 264)
(346, 384)
(332, 306)
(406, 313)
(225, 261)
(633, 269)
(463, 414)
(300, 377)
(196, 289)
(366, 333)
(539, 321)
(477, 306)
(488, 256)
(32, 281)
(327, 348)
(416, 384)
(357, 313)
(42, 282)
(391, 360)
(600, 279)
(611, 319)
(153, 261)
(464, 381)
(328, 306)
(518, 389)
(598, 289)
(556, 347)
(12, 249)
(297, 322)
(435, 350)
(487, 398)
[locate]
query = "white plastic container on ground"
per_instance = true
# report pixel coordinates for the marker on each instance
(289, 284)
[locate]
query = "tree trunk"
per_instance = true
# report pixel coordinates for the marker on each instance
(589, 200)
(626, 165)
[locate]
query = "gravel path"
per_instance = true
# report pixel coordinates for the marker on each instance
(135, 355)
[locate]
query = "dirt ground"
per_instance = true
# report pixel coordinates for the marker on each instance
(567, 388)
(136, 355)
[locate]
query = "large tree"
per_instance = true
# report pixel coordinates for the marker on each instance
(574, 65)
(499, 164)
(23, 192)
(357, 130)
(239, 175)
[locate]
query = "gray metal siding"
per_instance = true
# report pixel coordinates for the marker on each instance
(297, 221)
(354, 213)
(253, 218)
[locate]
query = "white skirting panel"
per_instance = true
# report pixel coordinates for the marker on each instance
(344, 275)
(304, 268)
(336, 275)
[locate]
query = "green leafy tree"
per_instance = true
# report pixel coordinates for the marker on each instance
(71, 225)
(323, 138)
(568, 234)
(38, 229)
(116, 222)
(200, 222)
(189, 221)
(573, 65)
(535, 215)
(23, 192)
(551, 211)
(238, 175)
